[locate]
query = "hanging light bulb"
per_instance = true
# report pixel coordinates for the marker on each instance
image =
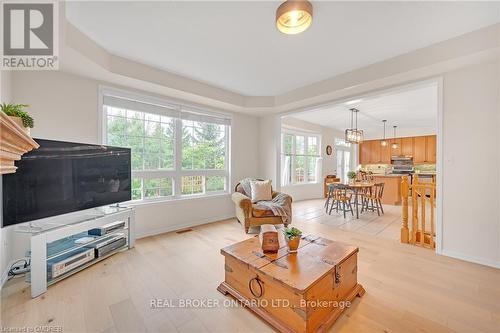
(383, 143)
(394, 144)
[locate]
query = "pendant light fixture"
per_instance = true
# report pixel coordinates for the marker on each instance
(294, 16)
(383, 143)
(353, 134)
(394, 144)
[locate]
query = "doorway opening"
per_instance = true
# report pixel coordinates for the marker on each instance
(407, 150)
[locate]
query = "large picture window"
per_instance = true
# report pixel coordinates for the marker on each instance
(176, 151)
(299, 158)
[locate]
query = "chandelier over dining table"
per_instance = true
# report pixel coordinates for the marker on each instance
(353, 134)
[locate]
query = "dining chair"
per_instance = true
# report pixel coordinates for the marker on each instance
(329, 197)
(341, 199)
(371, 199)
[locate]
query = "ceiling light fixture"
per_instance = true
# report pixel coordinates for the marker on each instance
(383, 143)
(294, 16)
(353, 134)
(394, 144)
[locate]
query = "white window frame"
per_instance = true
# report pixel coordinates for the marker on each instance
(177, 173)
(306, 135)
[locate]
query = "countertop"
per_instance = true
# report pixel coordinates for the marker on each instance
(389, 175)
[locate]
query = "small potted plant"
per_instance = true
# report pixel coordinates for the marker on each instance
(352, 176)
(17, 113)
(292, 236)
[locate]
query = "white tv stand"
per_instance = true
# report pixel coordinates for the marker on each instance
(54, 237)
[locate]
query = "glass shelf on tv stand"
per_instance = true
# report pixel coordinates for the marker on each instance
(55, 222)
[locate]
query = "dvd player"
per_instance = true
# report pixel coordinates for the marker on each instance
(106, 229)
(107, 245)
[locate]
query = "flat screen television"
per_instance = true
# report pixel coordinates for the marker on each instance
(63, 177)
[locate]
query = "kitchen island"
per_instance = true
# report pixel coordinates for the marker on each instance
(392, 188)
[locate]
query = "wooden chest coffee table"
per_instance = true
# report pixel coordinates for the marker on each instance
(294, 292)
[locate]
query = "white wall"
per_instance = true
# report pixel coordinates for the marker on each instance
(328, 163)
(65, 107)
(471, 179)
(268, 142)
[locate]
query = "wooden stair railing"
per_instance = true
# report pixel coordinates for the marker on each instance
(422, 230)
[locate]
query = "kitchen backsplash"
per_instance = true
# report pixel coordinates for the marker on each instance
(380, 169)
(425, 168)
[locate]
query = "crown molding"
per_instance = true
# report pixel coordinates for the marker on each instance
(474, 47)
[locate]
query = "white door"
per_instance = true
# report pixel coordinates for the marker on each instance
(343, 163)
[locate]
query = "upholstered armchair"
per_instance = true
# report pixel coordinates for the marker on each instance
(248, 214)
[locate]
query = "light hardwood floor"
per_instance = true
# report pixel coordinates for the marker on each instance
(408, 289)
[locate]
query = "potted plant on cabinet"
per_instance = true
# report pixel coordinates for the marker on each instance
(352, 176)
(17, 113)
(292, 236)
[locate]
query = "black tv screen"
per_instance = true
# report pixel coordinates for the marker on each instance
(63, 177)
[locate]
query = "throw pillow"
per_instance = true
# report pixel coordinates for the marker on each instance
(261, 190)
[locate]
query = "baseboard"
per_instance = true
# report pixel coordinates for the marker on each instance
(170, 228)
(480, 261)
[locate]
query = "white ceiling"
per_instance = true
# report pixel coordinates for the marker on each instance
(235, 45)
(413, 110)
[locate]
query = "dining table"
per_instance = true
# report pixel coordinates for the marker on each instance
(356, 187)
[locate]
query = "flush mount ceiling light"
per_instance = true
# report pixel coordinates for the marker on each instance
(294, 16)
(353, 134)
(384, 141)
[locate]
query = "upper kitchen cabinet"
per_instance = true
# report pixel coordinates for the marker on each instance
(375, 151)
(420, 150)
(396, 151)
(407, 146)
(431, 144)
(425, 149)
(364, 152)
(385, 153)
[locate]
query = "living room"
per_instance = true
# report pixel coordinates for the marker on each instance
(220, 98)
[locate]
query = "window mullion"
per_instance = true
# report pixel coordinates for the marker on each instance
(306, 159)
(178, 158)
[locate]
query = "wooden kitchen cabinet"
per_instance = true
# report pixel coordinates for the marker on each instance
(396, 151)
(420, 149)
(407, 146)
(375, 151)
(364, 152)
(431, 144)
(385, 153)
